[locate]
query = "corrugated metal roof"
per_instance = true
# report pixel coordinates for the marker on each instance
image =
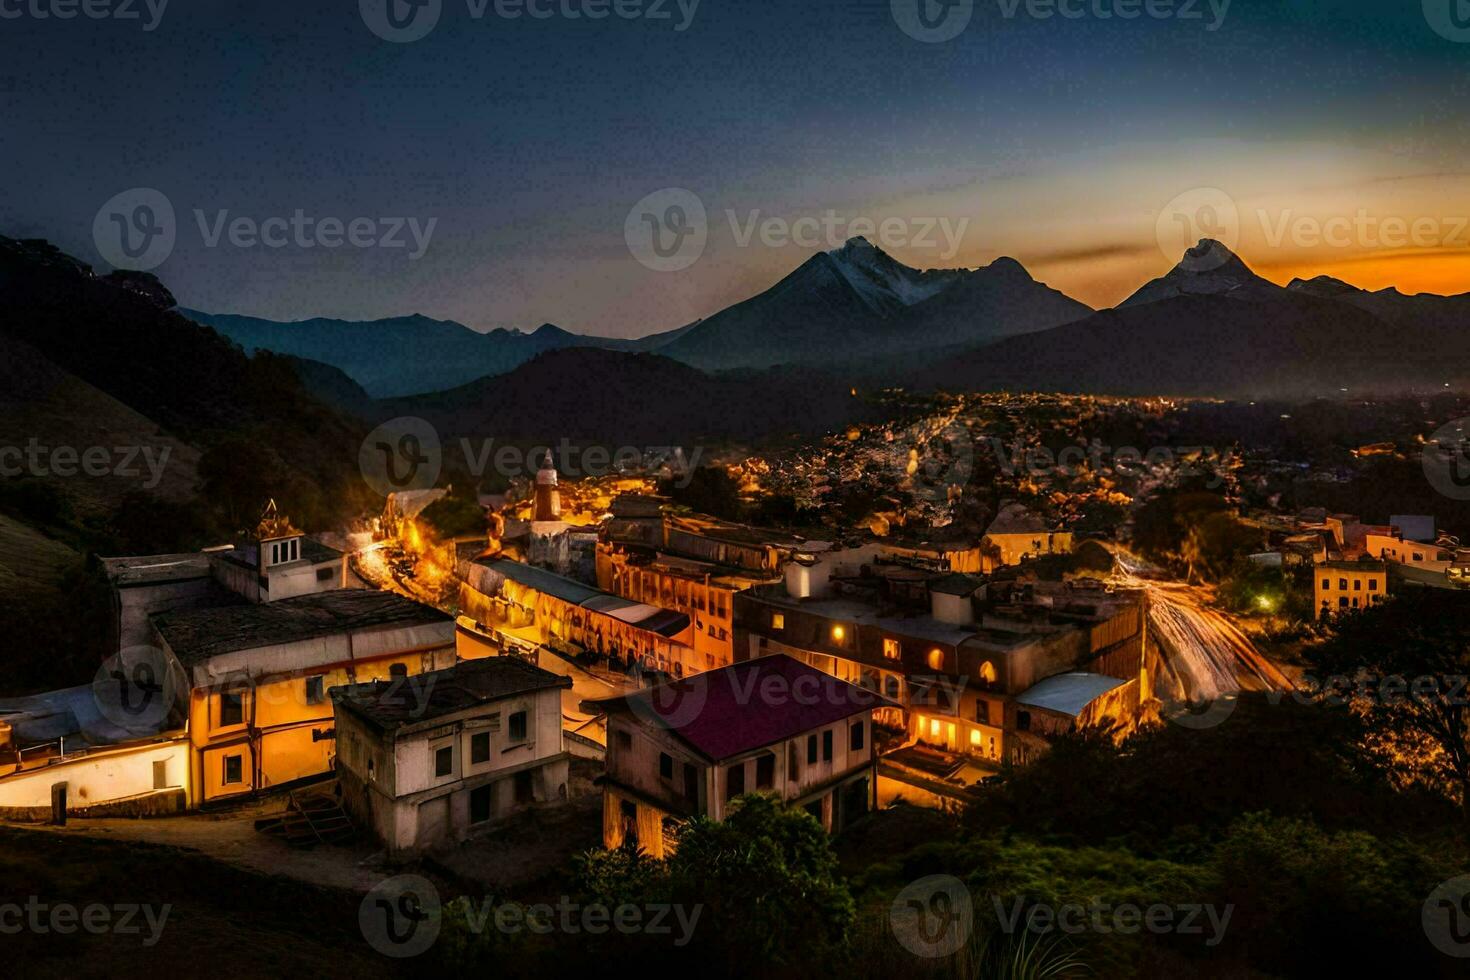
(1068, 693)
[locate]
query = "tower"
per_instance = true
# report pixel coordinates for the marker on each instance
(547, 500)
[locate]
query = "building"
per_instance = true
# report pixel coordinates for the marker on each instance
(953, 652)
(1340, 586)
(257, 677)
(532, 606)
(1017, 534)
(432, 759)
(546, 505)
(691, 747)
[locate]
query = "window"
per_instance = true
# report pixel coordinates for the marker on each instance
(160, 774)
(734, 781)
(324, 574)
(1357, 585)
(231, 708)
(1372, 585)
(936, 659)
(480, 798)
(234, 769)
(1327, 583)
(987, 672)
(480, 747)
(444, 762)
(525, 790)
(838, 634)
(1023, 721)
(1342, 584)
(793, 769)
(314, 689)
(890, 687)
(827, 745)
(890, 648)
(518, 726)
(855, 737)
(1342, 602)
(975, 737)
(665, 766)
(765, 772)
(778, 621)
(625, 740)
(811, 750)
(691, 783)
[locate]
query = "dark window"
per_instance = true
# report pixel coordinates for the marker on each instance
(524, 790)
(324, 574)
(1372, 585)
(233, 769)
(398, 670)
(1357, 585)
(480, 803)
(811, 750)
(827, 745)
(765, 772)
(231, 708)
(625, 740)
(518, 726)
(856, 736)
(691, 783)
(1023, 720)
(734, 781)
(480, 747)
(444, 761)
(314, 689)
(1327, 583)
(665, 766)
(793, 772)
(1342, 584)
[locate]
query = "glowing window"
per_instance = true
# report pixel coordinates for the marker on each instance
(934, 728)
(838, 633)
(987, 672)
(936, 659)
(974, 736)
(778, 621)
(890, 649)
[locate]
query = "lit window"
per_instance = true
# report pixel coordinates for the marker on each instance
(838, 633)
(934, 728)
(936, 659)
(987, 672)
(974, 736)
(890, 649)
(778, 621)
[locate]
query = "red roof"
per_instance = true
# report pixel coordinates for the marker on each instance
(727, 712)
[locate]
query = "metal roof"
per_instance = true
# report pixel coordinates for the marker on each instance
(1068, 693)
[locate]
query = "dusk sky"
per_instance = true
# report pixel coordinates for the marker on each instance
(1064, 142)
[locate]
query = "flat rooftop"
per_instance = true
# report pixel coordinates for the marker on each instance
(141, 570)
(196, 635)
(392, 704)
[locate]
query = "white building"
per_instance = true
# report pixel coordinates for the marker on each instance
(431, 759)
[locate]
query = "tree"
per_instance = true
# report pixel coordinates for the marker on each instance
(1403, 665)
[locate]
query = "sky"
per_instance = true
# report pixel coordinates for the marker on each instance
(466, 160)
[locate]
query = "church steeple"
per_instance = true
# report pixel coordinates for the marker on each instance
(547, 498)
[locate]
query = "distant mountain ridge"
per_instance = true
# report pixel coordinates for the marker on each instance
(1212, 327)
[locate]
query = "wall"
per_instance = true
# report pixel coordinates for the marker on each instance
(102, 776)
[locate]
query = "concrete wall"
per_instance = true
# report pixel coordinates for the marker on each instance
(102, 776)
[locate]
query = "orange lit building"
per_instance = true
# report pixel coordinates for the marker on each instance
(1342, 586)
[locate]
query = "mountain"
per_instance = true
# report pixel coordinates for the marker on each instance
(1223, 331)
(407, 355)
(1437, 319)
(857, 302)
(1208, 269)
(618, 398)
